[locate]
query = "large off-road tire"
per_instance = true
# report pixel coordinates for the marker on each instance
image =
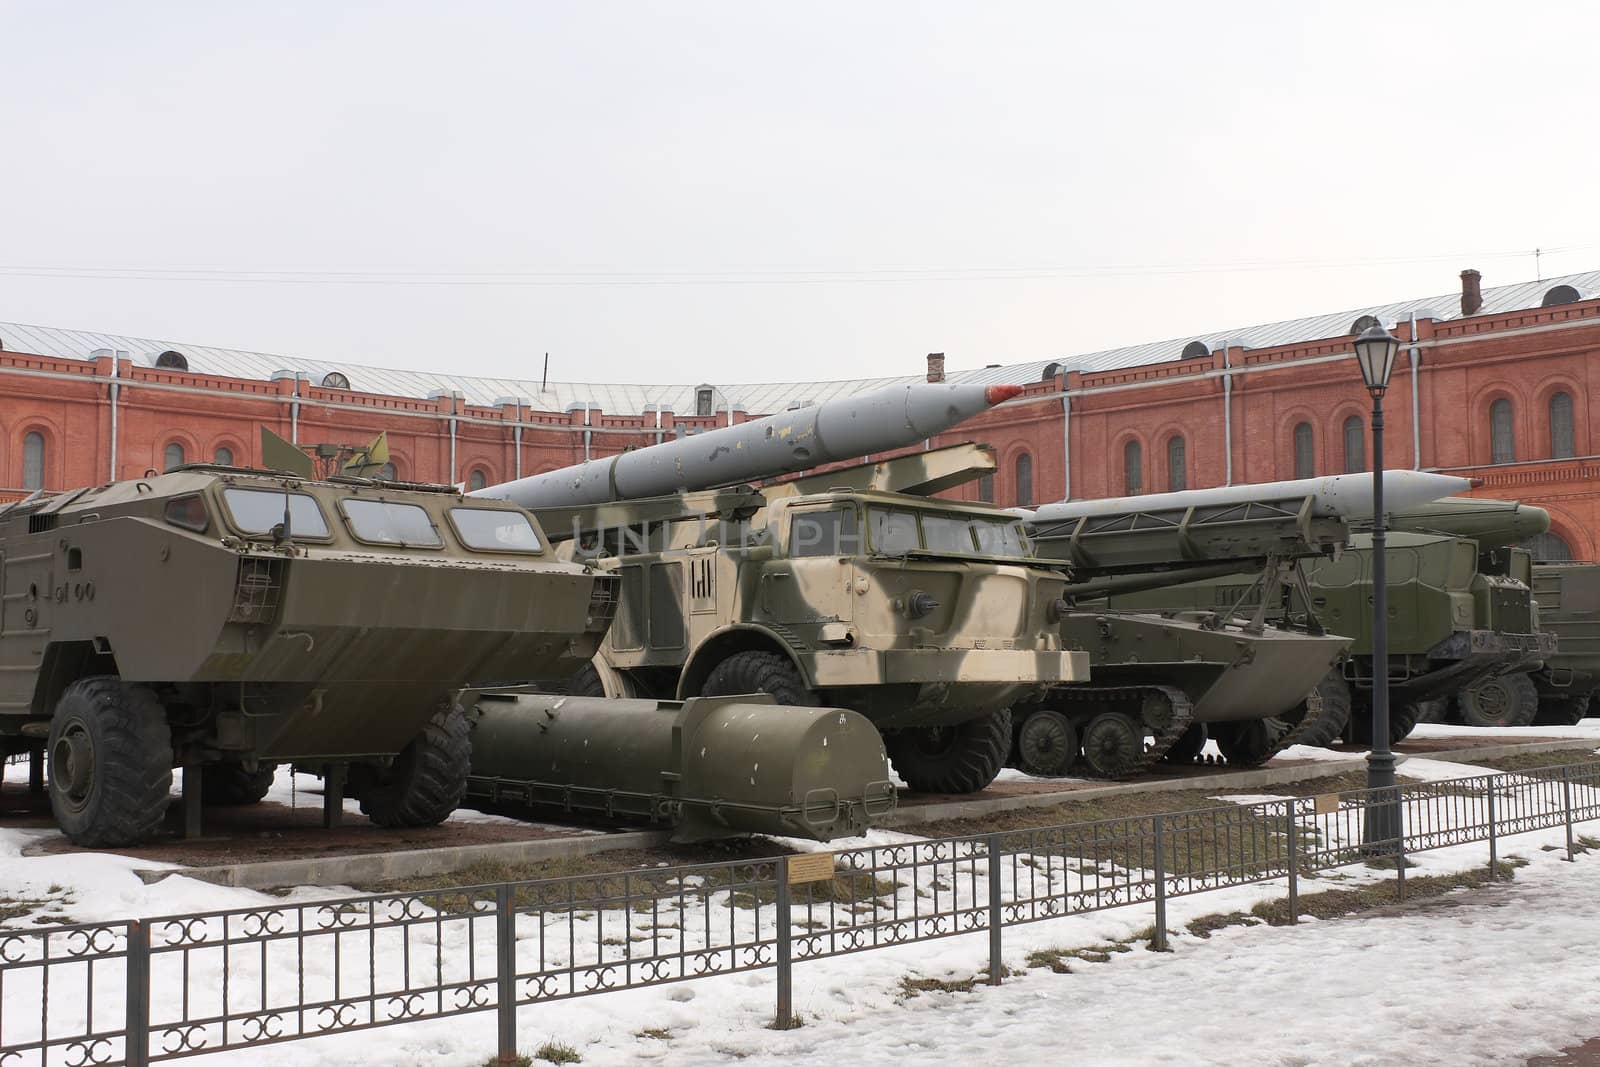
(586, 683)
(759, 672)
(1403, 718)
(1188, 745)
(230, 785)
(1047, 745)
(963, 758)
(1250, 743)
(110, 763)
(1504, 700)
(425, 782)
(1336, 704)
(1569, 709)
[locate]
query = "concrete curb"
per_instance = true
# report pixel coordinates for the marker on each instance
(411, 863)
(1265, 776)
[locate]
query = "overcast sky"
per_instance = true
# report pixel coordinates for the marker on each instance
(752, 191)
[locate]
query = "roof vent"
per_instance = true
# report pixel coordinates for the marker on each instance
(172, 360)
(335, 380)
(1364, 323)
(1560, 294)
(1195, 350)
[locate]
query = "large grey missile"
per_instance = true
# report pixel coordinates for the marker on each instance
(797, 440)
(1342, 496)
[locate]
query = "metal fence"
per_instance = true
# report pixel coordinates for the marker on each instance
(150, 990)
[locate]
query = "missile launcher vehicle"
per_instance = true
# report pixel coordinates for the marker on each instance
(1164, 683)
(1568, 595)
(1462, 628)
(925, 616)
(226, 620)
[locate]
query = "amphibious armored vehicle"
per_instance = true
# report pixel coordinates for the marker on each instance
(1568, 595)
(226, 620)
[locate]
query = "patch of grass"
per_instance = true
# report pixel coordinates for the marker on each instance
(1056, 958)
(796, 1021)
(655, 1033)
(1206, 925)
(911, 987)
(1334, 903)
(556, 1052)
(1530, 761)
(520, 1061)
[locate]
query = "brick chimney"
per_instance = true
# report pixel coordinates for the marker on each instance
(935, 366)
(1471, 293)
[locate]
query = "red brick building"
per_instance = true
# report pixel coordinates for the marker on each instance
(1494, 383)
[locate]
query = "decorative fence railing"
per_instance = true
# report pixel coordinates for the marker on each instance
(150, 990)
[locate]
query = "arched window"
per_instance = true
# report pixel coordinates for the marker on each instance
(1305, 461)
(33, 461)
(986, 488)
(476, 480)
(1562, 439)
(1132, 468)
(1024, 480)
(1177, 467)
(224, 457)
(173, 457)
(1548, 548)
(1355, 445)
(1502, 448)
(388, 473)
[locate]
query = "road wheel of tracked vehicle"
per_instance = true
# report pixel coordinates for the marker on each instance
(1047, 745)
(759, 672)
(1506, 700)
(963, 758)
(1250, 743)
(110, 763)
(1565, 710)
(1329, 727)
(425, 782)
(1113, 744)
(230, 785)
(1189, 744)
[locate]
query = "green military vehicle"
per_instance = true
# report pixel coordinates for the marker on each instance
(1462, 625)
(929, 617)
(1568, 595)
(226, 620)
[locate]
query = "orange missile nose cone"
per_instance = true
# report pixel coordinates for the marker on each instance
(999, 394)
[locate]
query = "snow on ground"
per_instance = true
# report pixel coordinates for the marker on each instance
(1500, 977)
(1587, 728)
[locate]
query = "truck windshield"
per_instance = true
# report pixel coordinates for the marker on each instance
(895, 532)
(494, 530)
(257, 511)
(385, 523)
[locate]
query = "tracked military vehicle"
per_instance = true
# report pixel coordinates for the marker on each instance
(1162, 684)
(1462, 628)
(227, 620)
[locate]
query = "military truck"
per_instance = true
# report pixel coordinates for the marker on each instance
(227, 620)
(1459, 634)
(929, 617)
(1568, 595)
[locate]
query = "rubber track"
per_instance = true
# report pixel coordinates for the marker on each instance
(137, 779)
(1072, 699)
(1314, 712)
(433, 780)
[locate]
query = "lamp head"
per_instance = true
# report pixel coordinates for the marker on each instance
(1375, 352)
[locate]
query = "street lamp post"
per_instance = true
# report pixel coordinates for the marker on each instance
(1375, 352)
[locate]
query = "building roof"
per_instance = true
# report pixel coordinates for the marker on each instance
(757, 398)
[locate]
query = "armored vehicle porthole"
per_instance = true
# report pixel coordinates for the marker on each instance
(74, 559)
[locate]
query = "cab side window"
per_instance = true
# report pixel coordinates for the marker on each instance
(824, 533)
